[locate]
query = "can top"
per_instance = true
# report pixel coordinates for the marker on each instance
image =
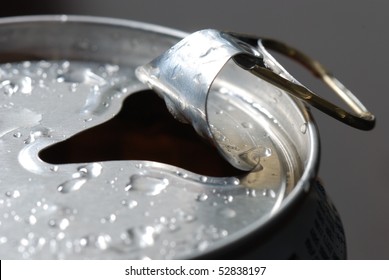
(50, 91)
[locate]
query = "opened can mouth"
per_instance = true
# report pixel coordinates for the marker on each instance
(62, 75)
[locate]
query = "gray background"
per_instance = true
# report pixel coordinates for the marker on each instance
(349, 37)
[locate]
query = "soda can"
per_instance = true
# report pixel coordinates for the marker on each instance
(148, 187)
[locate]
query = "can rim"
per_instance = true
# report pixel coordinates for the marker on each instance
(94, 19)
(261, 227)
(311, 167)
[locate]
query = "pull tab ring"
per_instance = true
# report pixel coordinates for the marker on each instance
(359, 117)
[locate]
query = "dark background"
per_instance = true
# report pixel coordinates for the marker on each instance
(349, 37)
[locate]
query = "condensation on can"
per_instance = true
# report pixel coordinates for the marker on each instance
(51, 90)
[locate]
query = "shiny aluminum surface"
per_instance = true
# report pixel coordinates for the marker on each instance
(52, 90)
(184, 76)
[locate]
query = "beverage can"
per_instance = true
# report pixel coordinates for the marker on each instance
(64, 76)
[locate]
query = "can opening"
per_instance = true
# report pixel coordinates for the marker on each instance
(142, 130)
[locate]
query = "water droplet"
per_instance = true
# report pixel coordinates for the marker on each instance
(24, 242)
(17, 135)
(303, 128)
(143, 236)
(112, 218)
(132, 204)
(71, 185)
(94, 169)
(103, 241)
(150, 185)
(203, 179)
(54, 168)
(52, 223)
(233, 181)
(26, 64)
(13, 194)
(83, 241)
(73, 87)
(265, 152)
(16, 194)
(25, 85)
(63, 224)
(202, 197)
(32, 220)
(37, 133)
(182, 174)
(163, 220)
(269, 193)
(84, 174)
(251, 192)
(228, 212)
(111, 69)
(3, 240)
(65, 65)
(188, 218)
(203, 245)
(228, 199)
(8, 88)
(247, 125)
(95, 89)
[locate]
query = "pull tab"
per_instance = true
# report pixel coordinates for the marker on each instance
(183, 77)
(360, 117)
